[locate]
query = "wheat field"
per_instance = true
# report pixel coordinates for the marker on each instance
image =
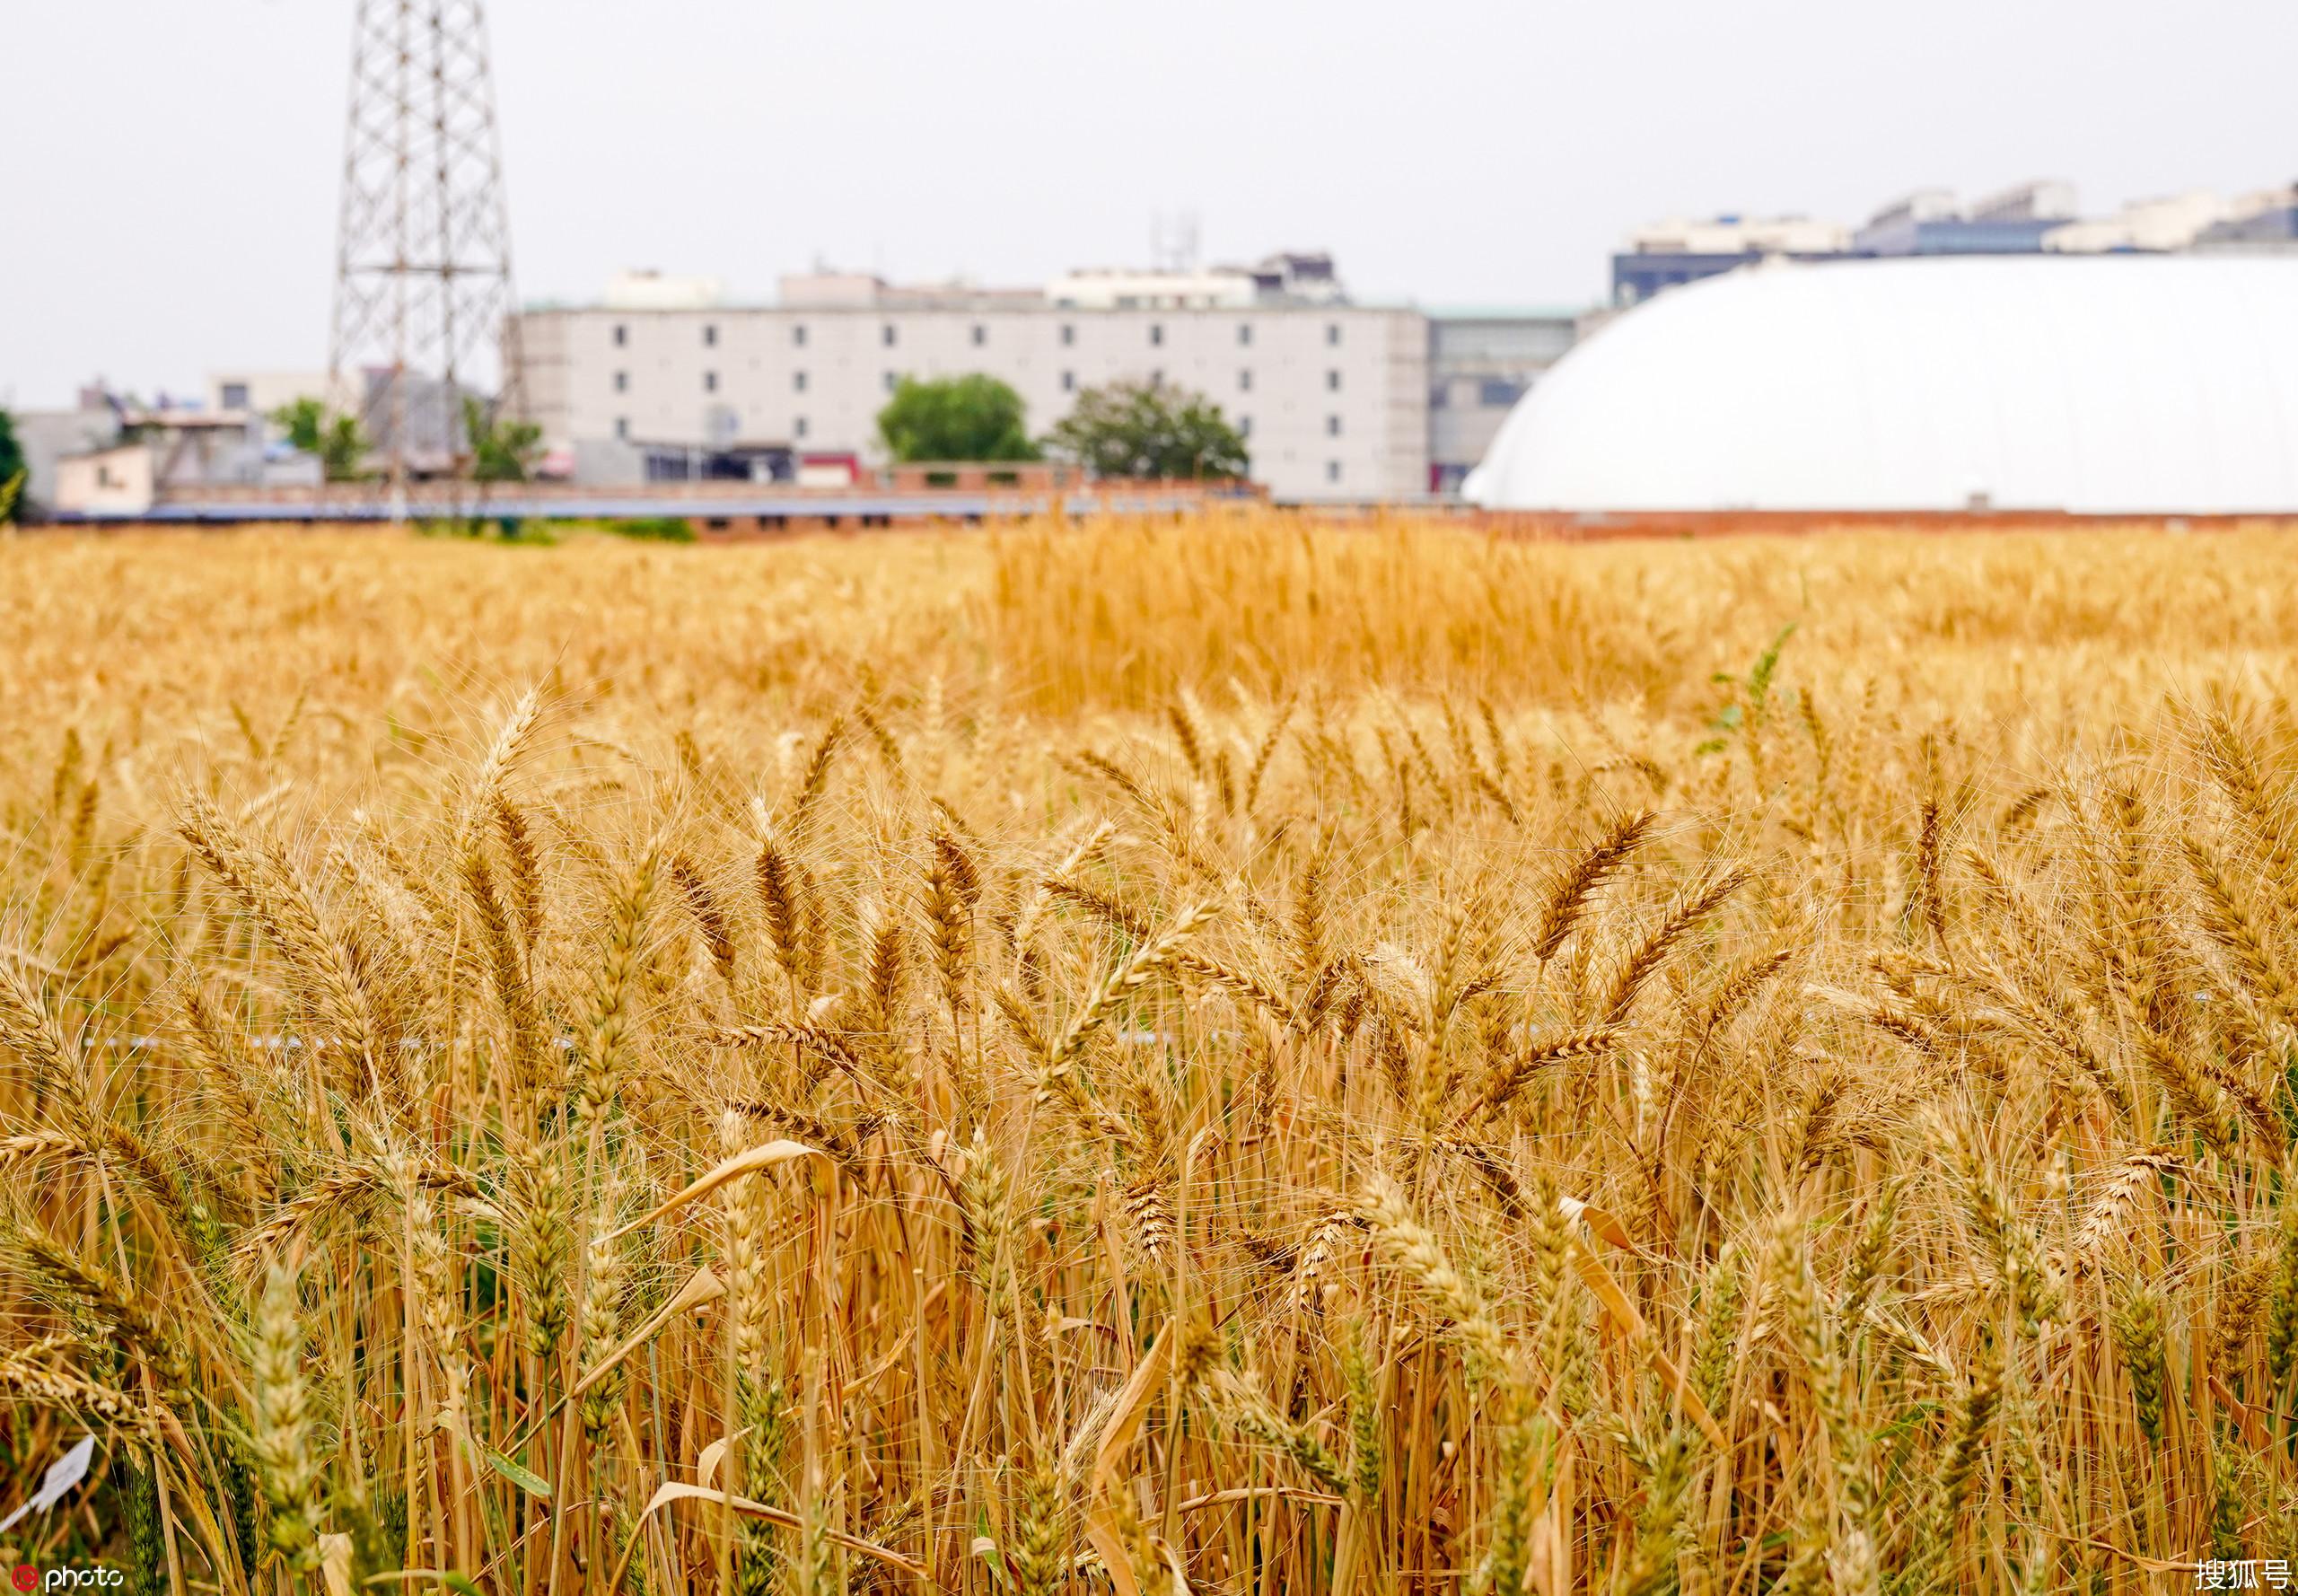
(1230, 1056)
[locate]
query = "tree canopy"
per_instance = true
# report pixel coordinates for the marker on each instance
(1146, 429)
(501, 450)
(12, 468)
(955, 418)
(336, 439)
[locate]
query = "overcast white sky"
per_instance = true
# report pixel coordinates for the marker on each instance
(172, 165)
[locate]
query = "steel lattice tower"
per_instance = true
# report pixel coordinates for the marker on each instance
(423, 287)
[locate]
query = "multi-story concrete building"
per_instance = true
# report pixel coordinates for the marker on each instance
(1481, 362)
(1332, 396)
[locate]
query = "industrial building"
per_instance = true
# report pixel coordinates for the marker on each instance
(2088, 384)
(1335, 400)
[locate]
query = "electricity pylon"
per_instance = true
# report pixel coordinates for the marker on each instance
(423, 287)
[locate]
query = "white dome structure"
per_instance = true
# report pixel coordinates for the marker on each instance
(2100, 385)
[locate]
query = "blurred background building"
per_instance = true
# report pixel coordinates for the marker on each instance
(667, 376)
(113, 451)
(1480, 364)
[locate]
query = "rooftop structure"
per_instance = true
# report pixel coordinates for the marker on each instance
(2261, 223)
(2042, 200)
(823, 289)
(2041, 216)
(1929, 222)
(653, 291)
(1669, 254)
(1280, 279)
(1742, 235)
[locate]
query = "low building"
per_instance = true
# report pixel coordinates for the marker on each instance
(162, 451)
(1332, 396)
(49, 437)
(120, 480)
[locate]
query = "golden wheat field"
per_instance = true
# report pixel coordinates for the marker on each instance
(1234, 1056)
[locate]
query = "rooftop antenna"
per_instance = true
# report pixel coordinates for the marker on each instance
(423, 282)
(1173, 248)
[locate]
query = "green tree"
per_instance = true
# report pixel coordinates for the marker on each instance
(968, 418)
(1146, 429)
(336, 439)
(13, 473)
(501, 450)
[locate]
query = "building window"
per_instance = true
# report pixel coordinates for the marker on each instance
(1244, 334)
(622, 335)
(886, 335)
(980, 334)
(622, 382)
(1069, 333)
(1244, 427)
(1069, 382)
(1245, 381)
(1332, 470)
(1156, 333)
(892, 382)
(1332, 332)
(1332, 382)
(1157, 378)
(710, 335)
(710, 382)
(235, 396)
(798, 381)
(622, 427)
(1494, 392)
(798, 428)
(1332, 427)
(798, 334)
